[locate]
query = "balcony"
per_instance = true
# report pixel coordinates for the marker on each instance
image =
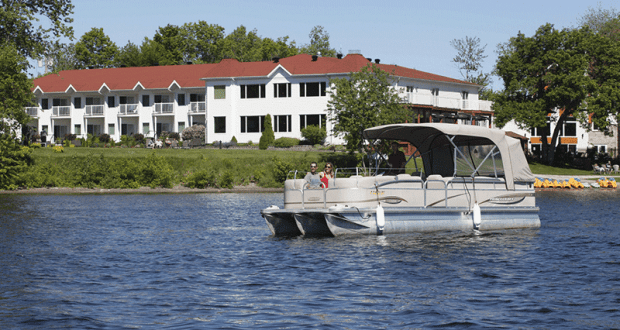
(128, 109)
(94, 110)
(447, 102)
(32, 111)
(61, 111)
(198, 107)
(164, 108)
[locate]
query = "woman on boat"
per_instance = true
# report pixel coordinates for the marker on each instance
(327, 173)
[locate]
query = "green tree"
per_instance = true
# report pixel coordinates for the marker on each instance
(129, 55)
(151, 52)
(469, 58)
(319, 43)
(201, 42)
(61, 57)
(170, 38)
(543, 74)
(242, 45)
(597, 18)
(365, 99)
(267, 138)
(277, 48)
(95, 49)
(18, 19)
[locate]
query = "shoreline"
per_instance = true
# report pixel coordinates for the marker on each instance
(178, 189)
(142, 190)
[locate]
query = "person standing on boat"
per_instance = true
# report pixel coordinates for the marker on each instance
(327, 174)
(313, 178)
(397, 160)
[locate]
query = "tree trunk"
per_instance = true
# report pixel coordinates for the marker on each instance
(554, 138)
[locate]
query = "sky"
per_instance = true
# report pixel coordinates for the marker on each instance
(413, 34)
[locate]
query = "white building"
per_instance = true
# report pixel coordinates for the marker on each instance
(232, 98)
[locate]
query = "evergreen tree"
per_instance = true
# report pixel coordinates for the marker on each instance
(267, 138)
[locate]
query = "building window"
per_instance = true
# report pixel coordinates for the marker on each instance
(570, 128)
(181, 99)
(93, 101)
(253, 91)
(540, 130)
(146, 129)
(220, 124)
(409, 89)
(77, 129)
(127, 129)
(146, 102)
(94, 130)
(196, 97)
(111, 103)
(219, 92)
(252, 124)
(77, 103)
(181, 126)
(282, 90)
(311, 120)
(111, 129)
(282, 123)
(60, 102)
(45, 104)
(312, 89)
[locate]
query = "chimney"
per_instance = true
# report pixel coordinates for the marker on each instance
(339, 56)
(275, 59)
(314, 58)
(377, 60)
(369, 59)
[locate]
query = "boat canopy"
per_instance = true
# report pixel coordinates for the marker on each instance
(445, 148)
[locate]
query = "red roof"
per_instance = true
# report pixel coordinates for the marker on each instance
(187, 76)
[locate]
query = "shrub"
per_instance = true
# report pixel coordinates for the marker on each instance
(281, 168)
(267, 138)
(139, 138)
(202, 179)
(174, 135)
(194, 132)
(233, 140)
(15, 160)
(227, 179)
(285, 142)
(70, 137)
(314, 134)
(105, 138)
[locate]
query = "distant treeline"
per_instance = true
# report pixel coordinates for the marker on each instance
(198, 42)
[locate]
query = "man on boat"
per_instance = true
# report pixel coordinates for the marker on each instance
(397, 160)
(313, 178)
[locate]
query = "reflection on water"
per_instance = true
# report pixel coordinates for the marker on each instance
(208, 261)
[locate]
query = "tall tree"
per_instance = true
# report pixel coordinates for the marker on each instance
(201, 42)
(364, 99)
(278, 48)
(242, 45)
(18, 19)
(596, 18)
(469, 58)
(151, 52)
(543, 74)
(61, 56)
(95, 49)
(170, 38)
(319, 43)
(129, 55)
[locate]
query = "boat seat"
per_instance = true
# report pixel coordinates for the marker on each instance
(435, 181)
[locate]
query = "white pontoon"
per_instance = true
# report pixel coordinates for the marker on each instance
(469, 177)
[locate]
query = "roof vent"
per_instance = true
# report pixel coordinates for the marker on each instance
(377, 60)
(275, 59)
(339, 56)
(314, 58)
(91, 67)
(123, 66)
(369, 59)
(189, 62)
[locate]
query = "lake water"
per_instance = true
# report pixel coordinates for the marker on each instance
(208, 261)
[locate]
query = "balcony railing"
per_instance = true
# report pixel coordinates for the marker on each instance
(94, 110)
(32, 111)
(447, 102)
(198, 107)
(61, 111)
(128, 109)
(164, 108)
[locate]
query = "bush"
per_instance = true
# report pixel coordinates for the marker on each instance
(314, 134)
(105, 138)
(227, 179)
(233, 140)
(267, 138)
(202, 179)
(281, 168)
(194, 132)
(285, 142)
(174, 135)
(139, 138)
